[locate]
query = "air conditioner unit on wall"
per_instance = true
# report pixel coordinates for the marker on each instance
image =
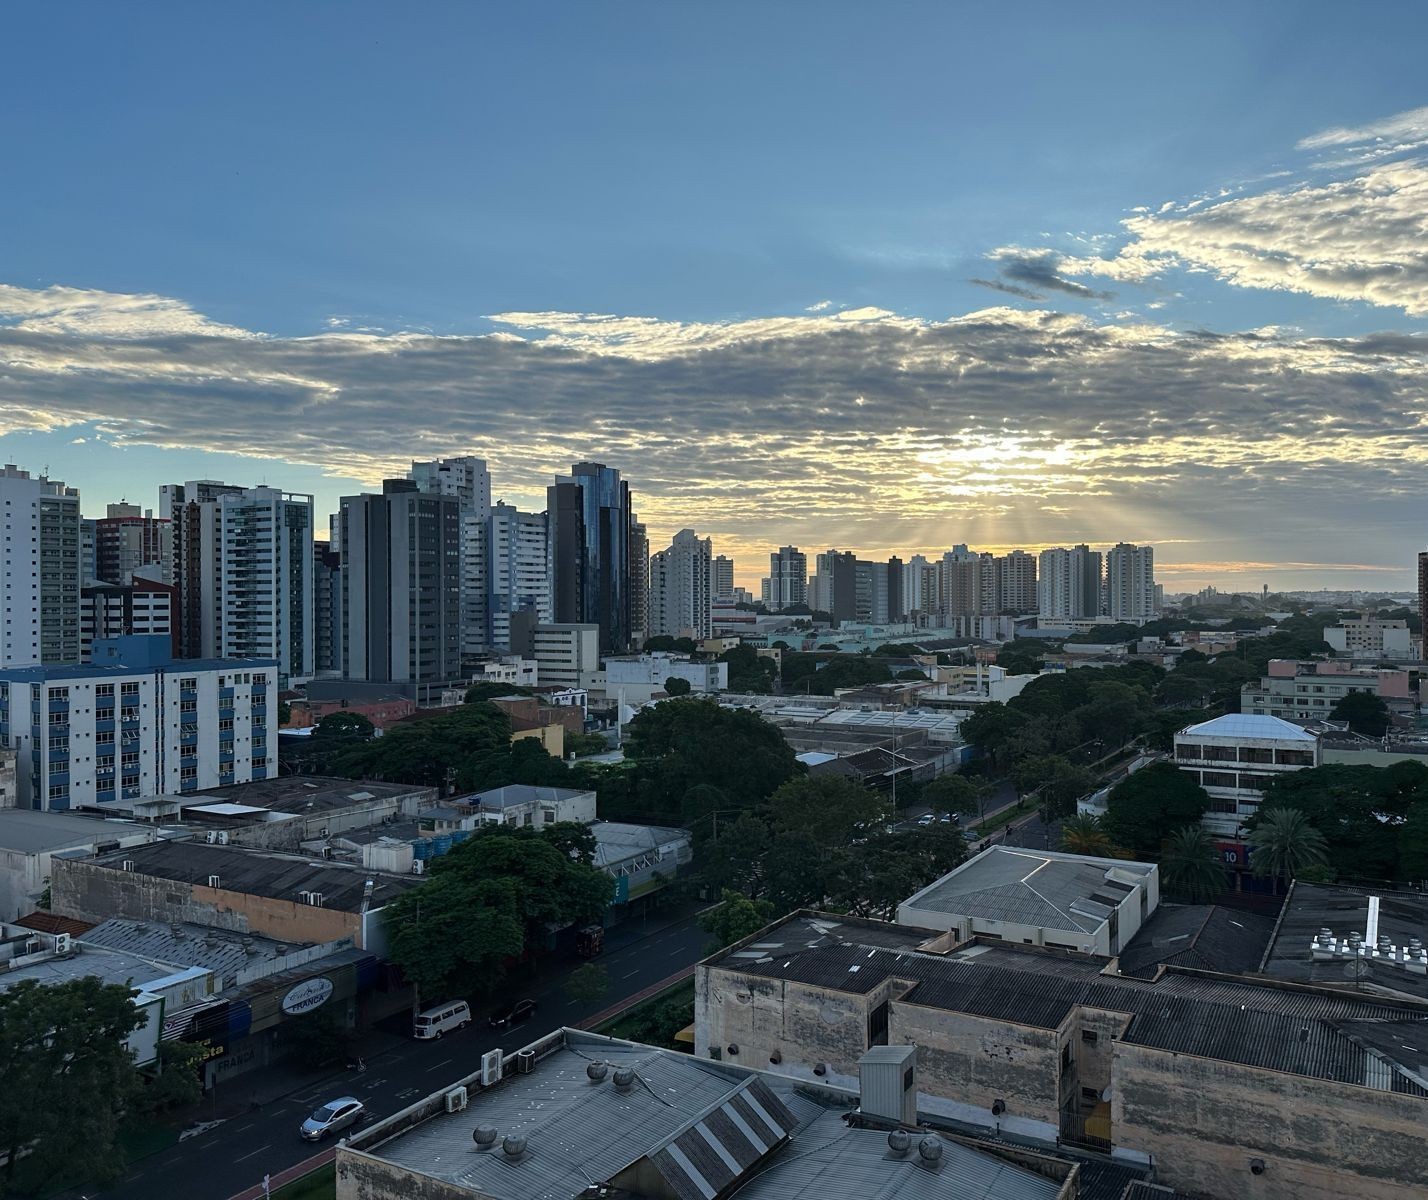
(491, 1068)
(456, 1100)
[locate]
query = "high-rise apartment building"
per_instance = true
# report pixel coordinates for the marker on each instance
(1423, 599)
(639, 582)
(326, 608)
(1069, 583)
(919, 585)
(838, 584)
(467, 480)
(188, 508)
(593, 571)
(401, 585)
(127, 540)
(788, 578)
(1130, 583)
(679, 588)
(1016, 573)
(146, 607)
(42, 570)
(517, 572)
(721, 576)
(137, 723)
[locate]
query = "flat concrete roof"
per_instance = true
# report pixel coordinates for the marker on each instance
(31, 832)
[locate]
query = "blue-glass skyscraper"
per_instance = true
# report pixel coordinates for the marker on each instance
(591, 562)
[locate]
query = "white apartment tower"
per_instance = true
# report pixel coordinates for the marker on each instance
(516, 567)
(1068, 583)
(469, 482)
(1130, 583)
(788, 578)
(679, 587)
(42, 570)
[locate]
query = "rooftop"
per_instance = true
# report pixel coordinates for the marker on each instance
(184, 945)
(616, 841)
(1274, 1027)
(61, 672)
(1310, 907)
(521, 793)
(301, 793)
(1205, 937)
(1043, 888)
(31, 832)
(691, 1128)
(260, 873)
(1248, 725)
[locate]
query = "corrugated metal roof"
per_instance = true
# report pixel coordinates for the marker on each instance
(708, 1154)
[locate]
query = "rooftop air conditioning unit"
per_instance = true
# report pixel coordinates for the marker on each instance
(456, 1100)
(223, 837)
(210, 837)
(525, 1061)
(62, 945)
(127, 864)
(419, 866)
(213, 881)
(33, 946)
(491, 1068)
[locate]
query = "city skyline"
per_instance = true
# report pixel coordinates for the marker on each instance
(918, 318)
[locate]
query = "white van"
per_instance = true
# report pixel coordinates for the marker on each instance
(454, 1014)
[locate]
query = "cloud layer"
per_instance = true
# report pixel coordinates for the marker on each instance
(863, 428)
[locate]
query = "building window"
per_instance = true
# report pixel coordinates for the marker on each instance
(131, 781)
(1089, 1036)
(129, 689)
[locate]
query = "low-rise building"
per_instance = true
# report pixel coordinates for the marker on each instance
(1230, 1088)
(565, 653)
(28, 840)
(1039, 898)
(575, 1116)
(641, 676)
(640, 858)
(1370, 637)
(511, 670)
(521, 804)
(284, 896)
(1306, 691)
(1235, 757)
(137, 722)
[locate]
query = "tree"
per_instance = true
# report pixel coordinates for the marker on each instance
(991, 728)
(178, 1082)
(69, 1078)
(749, 671)
(1413, 845)
(1181, 689)
(1284, 844)
(344, 726)
(1148, 805)
(954, 794)
(1191, 868)
(675, 747)
(675, 686)
(735, 919)
(1085, 833)
(485, 902)
(830, 809)
(579, 744)
(587, 984)
(477, 693)
(285, 712)
(1057, 783)
(1366, 713)
(1114, 713)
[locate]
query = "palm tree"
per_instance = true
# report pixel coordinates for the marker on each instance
(1190, 867)
(1085, 833)
(1285, 844)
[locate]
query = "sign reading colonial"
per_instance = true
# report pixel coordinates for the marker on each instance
(309, 994)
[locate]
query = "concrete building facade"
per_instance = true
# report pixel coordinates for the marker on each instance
(565, 655)
(679, 589)
(1069, 583)
(1130, 583)
(42, 569)
(468, 481)
(516, 570)
(137, 723)
(1304, 691)
(1234, 758)
(788, 578)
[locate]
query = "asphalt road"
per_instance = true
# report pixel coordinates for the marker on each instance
(220, 1161)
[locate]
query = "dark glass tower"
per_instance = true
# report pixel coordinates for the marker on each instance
(590, 544)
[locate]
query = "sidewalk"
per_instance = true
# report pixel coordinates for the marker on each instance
(290, 1175)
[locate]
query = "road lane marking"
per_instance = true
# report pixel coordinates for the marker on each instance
(631, 975)
(444, 1062)
(254, 1153)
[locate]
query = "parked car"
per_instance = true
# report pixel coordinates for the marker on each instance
(333, 1116)
(514, 1014)
(926, 819)
(454, 1014)
(950, 819)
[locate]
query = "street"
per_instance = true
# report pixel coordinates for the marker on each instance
(234, 1153)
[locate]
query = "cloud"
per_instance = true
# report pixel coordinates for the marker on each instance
(866, 428)
(1404, 129)
(103, 314)
(1032, 273)
(1361, 234)
(820, 306)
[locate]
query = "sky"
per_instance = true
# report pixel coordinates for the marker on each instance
(880, 277)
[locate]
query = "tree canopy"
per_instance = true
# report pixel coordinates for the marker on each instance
(1366, 713)
(1150, 804)
(69, 1077)
(486, 901)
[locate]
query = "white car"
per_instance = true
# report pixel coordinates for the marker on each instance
(927, 819)
(333, 1116)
